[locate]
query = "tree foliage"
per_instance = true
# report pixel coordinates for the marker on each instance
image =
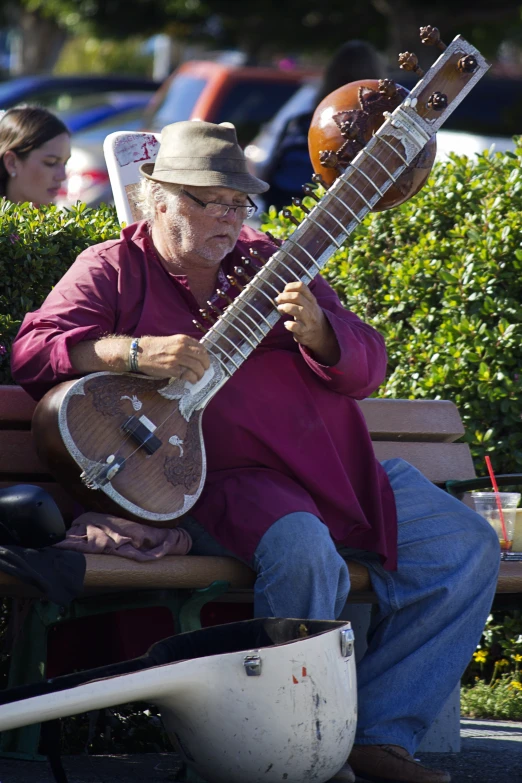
(113, 18)
(291, 27)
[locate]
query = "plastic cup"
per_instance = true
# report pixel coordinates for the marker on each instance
(486, 505)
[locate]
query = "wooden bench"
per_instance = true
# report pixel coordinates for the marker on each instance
(423, 432)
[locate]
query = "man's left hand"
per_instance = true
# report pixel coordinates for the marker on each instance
(310, 326)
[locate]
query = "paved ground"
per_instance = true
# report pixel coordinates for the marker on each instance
(491, 753)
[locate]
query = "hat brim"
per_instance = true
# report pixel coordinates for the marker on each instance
(246, 183)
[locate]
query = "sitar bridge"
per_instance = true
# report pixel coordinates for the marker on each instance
(97, 475)
(142, 431)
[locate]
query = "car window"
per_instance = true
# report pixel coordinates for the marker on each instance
(249, 104)
(179, 101)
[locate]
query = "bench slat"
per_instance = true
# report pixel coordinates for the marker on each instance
(510, 577)
(108, 573)
(16, 407)
(413, 420)
(437, 420)
(437, 461)
(18, 455)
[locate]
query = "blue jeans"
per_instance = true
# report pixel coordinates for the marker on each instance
(430, 612)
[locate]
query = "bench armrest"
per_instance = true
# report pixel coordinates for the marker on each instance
(458, 488)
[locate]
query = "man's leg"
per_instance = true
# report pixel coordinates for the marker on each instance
(431, 611)
(299, 571)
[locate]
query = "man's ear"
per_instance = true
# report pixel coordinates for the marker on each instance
(10, 160)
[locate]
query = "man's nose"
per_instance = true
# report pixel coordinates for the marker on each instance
(230, 217)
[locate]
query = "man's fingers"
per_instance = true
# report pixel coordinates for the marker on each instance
(197, 352)
(191, 354)
(296, 328)
(291, 309)
(299, 287)
(192, 364)
(189, 375)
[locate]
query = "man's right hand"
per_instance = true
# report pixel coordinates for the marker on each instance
(175, 356)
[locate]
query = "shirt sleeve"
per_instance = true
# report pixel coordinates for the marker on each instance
(82, 306)
(362, 365)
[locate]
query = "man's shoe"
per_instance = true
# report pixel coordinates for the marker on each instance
(392, 764)
(345, 775)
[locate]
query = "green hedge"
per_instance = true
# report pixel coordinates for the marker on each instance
(36, 247)
(441, 278)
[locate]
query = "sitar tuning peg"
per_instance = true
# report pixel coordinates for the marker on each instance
(257, 255)
(206, 316)
(214, 309)
(317, 178)
(430, 36)
(437, 101)
(298, 203)
(234, 282)
(288, 215)
(467, 64)
(388, 88)
(350, 129)
(309, 191)
(199, 326)
(273, 239)
(243, 271)
(410, 62)
(330, 160)
(224, 295)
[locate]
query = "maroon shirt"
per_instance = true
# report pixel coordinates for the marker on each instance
(284, 434)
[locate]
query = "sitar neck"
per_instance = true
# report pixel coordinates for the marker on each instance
(379, 165)
(253, 313)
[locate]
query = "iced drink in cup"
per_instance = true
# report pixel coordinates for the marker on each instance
(486, 505)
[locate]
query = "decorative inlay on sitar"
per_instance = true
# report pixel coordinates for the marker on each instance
(133, 445)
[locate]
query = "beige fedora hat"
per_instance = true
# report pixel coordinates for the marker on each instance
(202, 153)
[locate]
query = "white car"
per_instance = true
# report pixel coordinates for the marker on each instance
(470, 144)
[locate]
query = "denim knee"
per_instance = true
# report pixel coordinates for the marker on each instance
(299, 571)
(300, 541)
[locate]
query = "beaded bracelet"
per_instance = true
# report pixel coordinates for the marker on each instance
(133, 355)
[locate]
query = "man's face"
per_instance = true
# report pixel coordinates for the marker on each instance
(198, 237)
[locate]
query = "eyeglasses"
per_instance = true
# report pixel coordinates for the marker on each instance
(213, 209)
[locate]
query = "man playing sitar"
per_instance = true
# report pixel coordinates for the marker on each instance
(293, 486)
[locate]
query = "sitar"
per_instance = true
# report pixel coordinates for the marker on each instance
(132, 445)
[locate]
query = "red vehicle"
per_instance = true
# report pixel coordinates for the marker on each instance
(247, 96)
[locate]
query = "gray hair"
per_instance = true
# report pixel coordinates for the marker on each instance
(150, 195)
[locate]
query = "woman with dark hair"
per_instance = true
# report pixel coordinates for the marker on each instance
(354, 60)
(34, 148)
